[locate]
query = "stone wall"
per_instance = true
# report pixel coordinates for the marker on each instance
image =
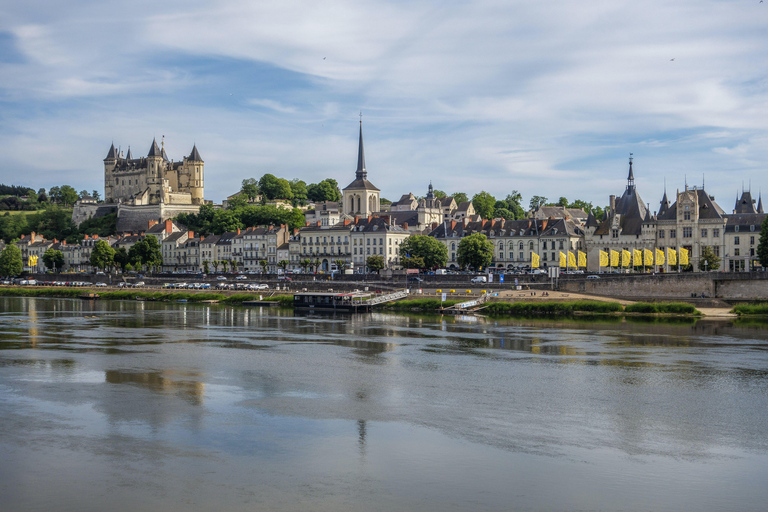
(753, 286)
(135, 219)
(83, 212)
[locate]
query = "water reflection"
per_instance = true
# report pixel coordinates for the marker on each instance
(186, 385)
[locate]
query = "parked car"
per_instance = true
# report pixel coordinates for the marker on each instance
(139, 284)
(221, 278)
(593, 277)
(283, 278)
(415, 279)
(241, 278)
(479, 279)
(101, 285)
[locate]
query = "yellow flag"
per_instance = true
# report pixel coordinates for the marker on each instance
(614, 258)
(571, 259)
(683, 256)
(637, 258)
(603, 258)
(626, 258)
(647, 258)
(671, 256)
(659, 257)
(534, 260)
(582, 259)
(562, 259)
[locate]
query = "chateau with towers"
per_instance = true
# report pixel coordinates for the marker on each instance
(153, 180)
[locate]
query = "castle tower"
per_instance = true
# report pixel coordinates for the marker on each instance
(109, 181)
(361, 197)
(194, 166)
(155, 166)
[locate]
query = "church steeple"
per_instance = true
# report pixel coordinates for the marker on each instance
(361, 173)
(631, 176)
(760, 203)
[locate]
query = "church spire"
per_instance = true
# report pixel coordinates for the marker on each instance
(361, 173)
(760, 203)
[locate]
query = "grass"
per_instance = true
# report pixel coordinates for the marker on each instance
(670, 308)
(760, 308)
(551, 308)
(430, 305)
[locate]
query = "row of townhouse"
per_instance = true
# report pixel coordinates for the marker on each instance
(77, 257)
(514, 241)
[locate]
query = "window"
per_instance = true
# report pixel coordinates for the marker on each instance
(530, 245)
(736, 229)
(736, 241)
(751, 240)
(511, 256)
(544, 246)
(687, 232)
(752, 227)
(703, 233)
(453, 246)
(545, 256)
(521, 257)
(553, 256)
(521, 248)
(736, 252)
(686, 214)
(615, 233)
(561, 244)
(368, 241)
(672, 233)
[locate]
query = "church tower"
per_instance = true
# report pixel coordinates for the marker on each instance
(361, 197)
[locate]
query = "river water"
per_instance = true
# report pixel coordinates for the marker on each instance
(127, 406)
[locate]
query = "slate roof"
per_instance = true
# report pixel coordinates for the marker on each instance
(112, 152)
(744, 221)
(155, 149)
(745, 204)
(361, 175)
(195, 155)
(708, 209)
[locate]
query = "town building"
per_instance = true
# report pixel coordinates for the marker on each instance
(360, 197)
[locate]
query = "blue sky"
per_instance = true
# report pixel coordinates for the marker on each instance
(547, 98)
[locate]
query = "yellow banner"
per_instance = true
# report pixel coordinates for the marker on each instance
(32, 261)
(562, 259)
(603, 258)
(683, 253)
(571, 259)
(647, 258)
(626, 258)
(534, 260)
(671, 256)
(659, 257)
(582, 259)
(637, 257)
(614, 258)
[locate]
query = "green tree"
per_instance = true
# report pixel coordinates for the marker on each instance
(708, 256)
(299, 189)
(433, 253)
(413, 262)
(53, 259)
(326, 190)
(10, 261)
(206, 269)
(563, 201)
(146, 253)
(484, 204)
(233, 264)
(537, 202)
(475, 251)
(439, 194)
(581, 205)
(250, 188)
(95, 194)
(224, 264)
(225, 221)
(305, 264)
(375, 263)
(263, 264)
(82, 194)
(503, 213)
(68, 195)
(460, 197)
(762, 245)
(216, 266)
(103, 255)
(273, 187)
(283, 264)
(121, 258)
(340, 264)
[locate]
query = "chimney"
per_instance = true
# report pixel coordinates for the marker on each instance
(453, 225)
(529, 223)
(85, 237)
(95, 237)
(544, 224)
(405, 226)
(370, 217)
(168, 226)
(613, 204)
(55, 241)
(238, 231)
(465, 221)
(191, 235)
(63, 242)
(318, 223)
(347, 222)
(434, 226)
(152, 223)
(357, 219)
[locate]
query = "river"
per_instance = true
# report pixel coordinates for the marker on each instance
(127, 406)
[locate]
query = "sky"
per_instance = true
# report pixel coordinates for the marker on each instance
(546, 98)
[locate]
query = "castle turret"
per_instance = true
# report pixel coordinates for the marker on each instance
(194, 165)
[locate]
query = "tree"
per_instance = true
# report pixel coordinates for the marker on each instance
(484, 204)
(432, 253)
(340, 264)
(10, 261)
(206, 269)
(581, 205)
(53, 259)
(460, 197)
(503, 213)
(299, 189)
(216, 265)
(762, 245)
(82, 194)
(475, 251)
(250, 188)
(375, 263)
(537, 202)
(273, 187)
(326, 190)
(146, 253)
(224, 264)
(263, 264)
(439, 194)
(103, 255)
(283, 264)
(121, 258)
(563, 201)
(95, 194)
(233, 263)
(413, 262)
(316, 264)
(708, 256)
(67, 195)
(305, 263)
